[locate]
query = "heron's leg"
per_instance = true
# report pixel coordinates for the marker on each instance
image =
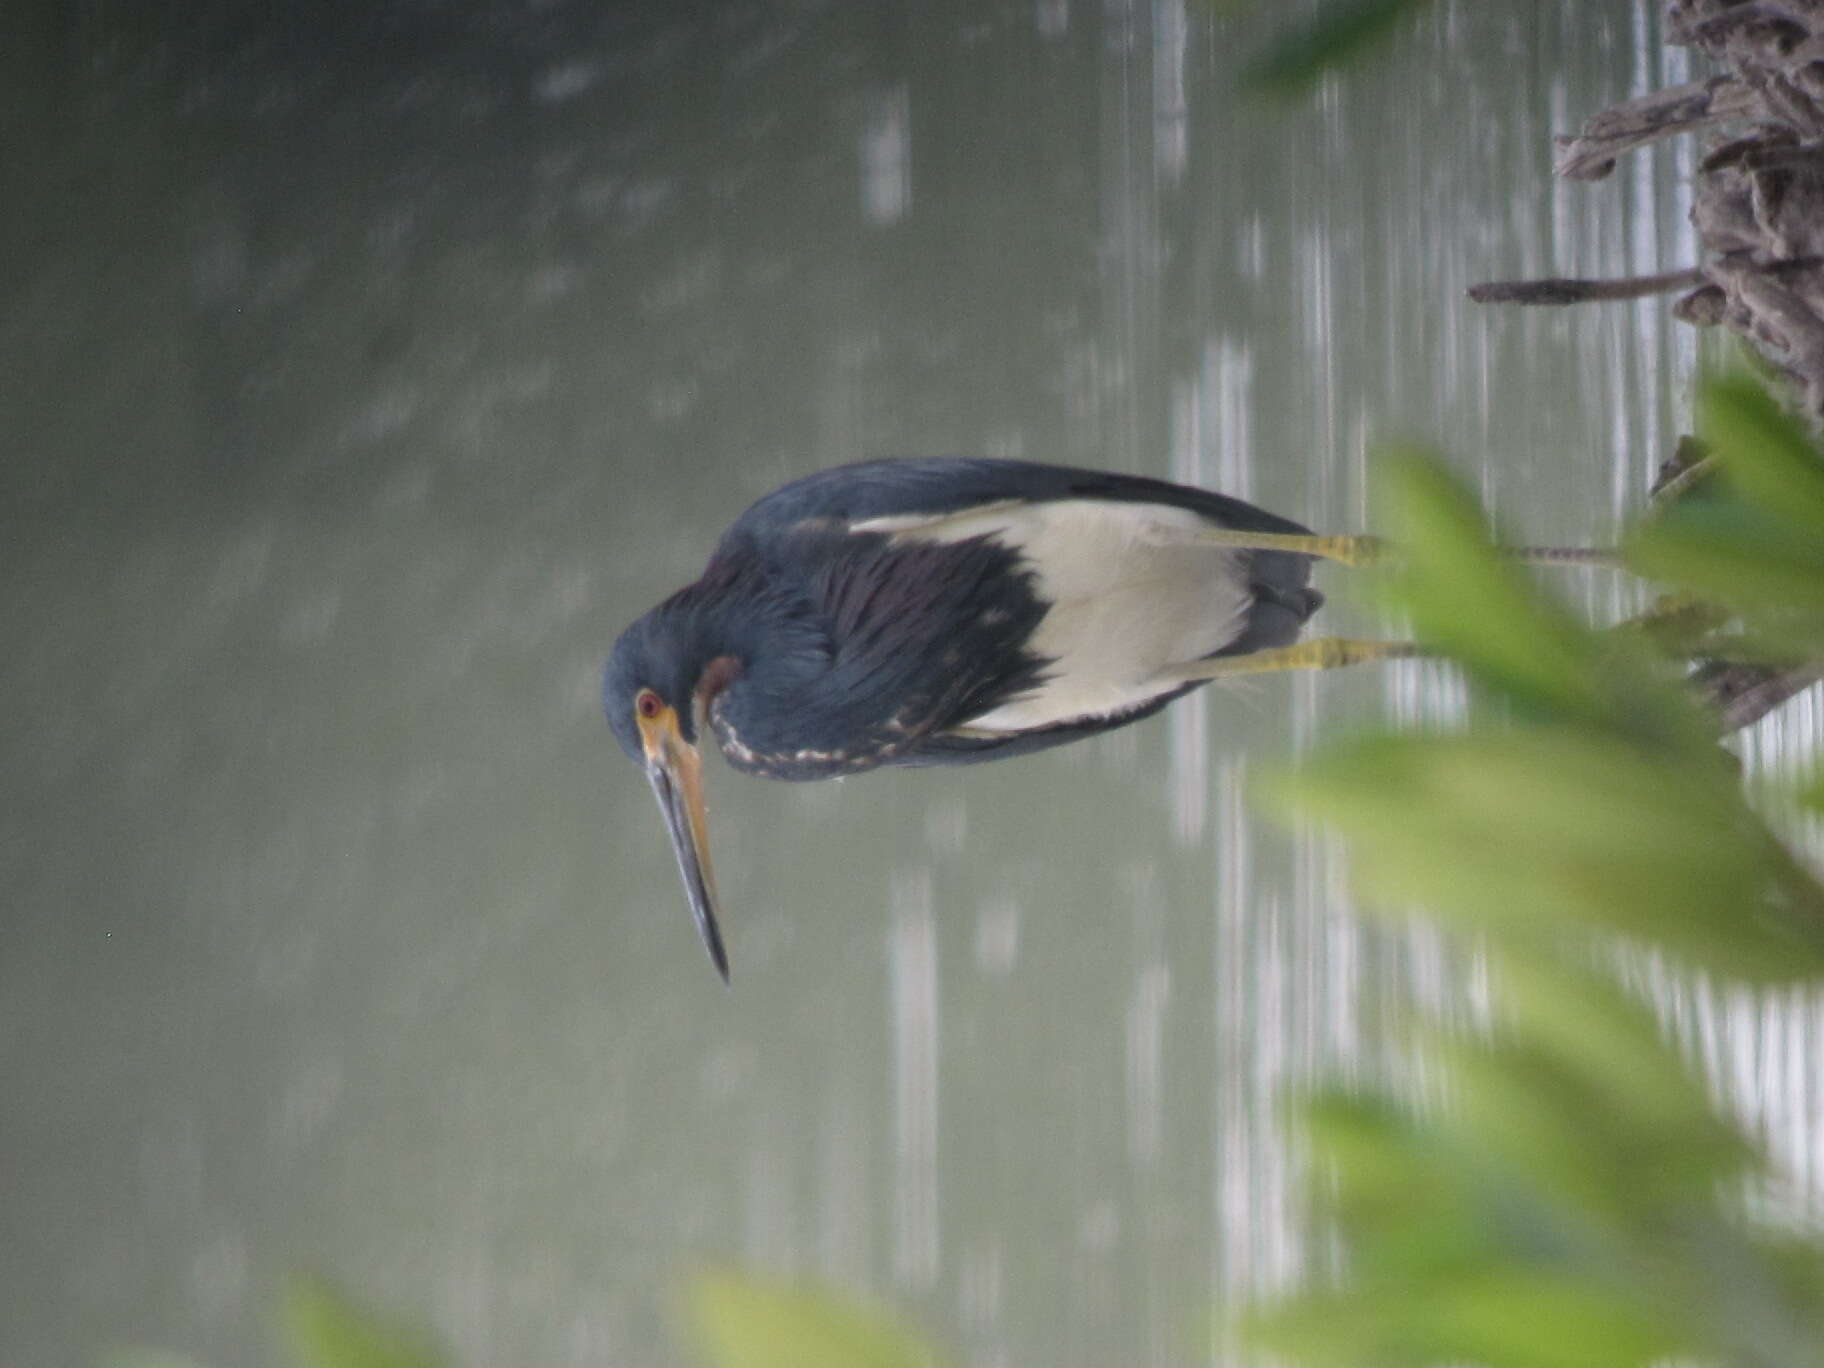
(1367, 550)
(1320, 653)
(1346, 549)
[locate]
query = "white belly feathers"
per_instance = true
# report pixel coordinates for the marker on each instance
(1129, 593)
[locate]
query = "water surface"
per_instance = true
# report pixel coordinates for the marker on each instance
(366, 367)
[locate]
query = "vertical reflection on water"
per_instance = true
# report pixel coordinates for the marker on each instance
(1145, 1050)
(886, 156)
(1764, 1051)
(1129, 247)
(912, 960)
(1171, 114)
(1256, 1248)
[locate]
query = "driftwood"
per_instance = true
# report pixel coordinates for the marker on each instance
(1758, 199)
(1683, 109)
(1758, 207)
(1744, 694)
(1563, 291)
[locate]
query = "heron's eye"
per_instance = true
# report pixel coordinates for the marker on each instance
(648, 704)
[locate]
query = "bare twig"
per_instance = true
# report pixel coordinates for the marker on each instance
(1565, 291)
(1591, 154)
(1758, 202)
(1713, 28)
(1743, 694)
(1758, 207)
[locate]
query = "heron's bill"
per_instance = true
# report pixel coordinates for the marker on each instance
(675, 770)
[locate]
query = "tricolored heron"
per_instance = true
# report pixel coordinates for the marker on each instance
(941, 612)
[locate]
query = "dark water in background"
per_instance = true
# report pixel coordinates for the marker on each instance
(363, 368)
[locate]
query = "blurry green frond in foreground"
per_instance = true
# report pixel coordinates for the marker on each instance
(1753, 540)
(1545, 1218)
(745, 1322)
(1573, 1198)
(1516, 643)
(1338, 33)
(326, 1330)
(1603, 805)
(1542, 834)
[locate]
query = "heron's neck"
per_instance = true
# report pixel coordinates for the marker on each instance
(760, 664)
(742, 642)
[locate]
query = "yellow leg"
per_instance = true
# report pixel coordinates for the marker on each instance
(1320, 653)
(1358, 551)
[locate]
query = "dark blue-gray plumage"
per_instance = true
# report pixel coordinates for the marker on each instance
(923, 612)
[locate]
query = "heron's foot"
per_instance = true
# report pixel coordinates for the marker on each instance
(1320, 653)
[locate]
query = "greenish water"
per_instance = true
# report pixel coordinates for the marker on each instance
(363, 370)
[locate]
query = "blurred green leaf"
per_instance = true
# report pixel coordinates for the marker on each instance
(1741, 556)
(1457, 1254)
(1487, 611)
(1339, 32)
(1765, 452)
(326, 1330)
(745, 1322)
(1471, 602)
(1563, 1208)
(1577, 1015)
(1538, 832)
(1500, 1319)
(1568, 1205)
(1628, 1173)
(1754, 540)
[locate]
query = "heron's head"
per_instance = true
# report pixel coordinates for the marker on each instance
(658, 679)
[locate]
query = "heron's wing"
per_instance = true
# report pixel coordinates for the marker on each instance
(929, 486)
(969, 603)
(924, 635)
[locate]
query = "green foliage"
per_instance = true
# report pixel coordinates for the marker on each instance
(743, 1322)
(1606, 804)
(326, 1330)
(1575, 1198)
(1337, 34)
(1754, 541)
(1517, 644)
(1534, 834)
(1567, 1205)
